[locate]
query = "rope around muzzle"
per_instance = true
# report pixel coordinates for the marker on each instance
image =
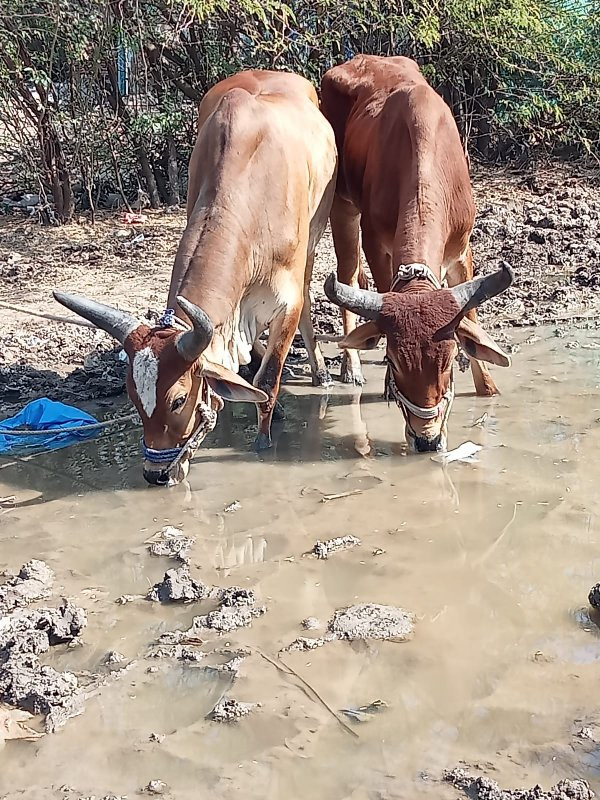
(208, 415)
(173, 456)
(405, 405)
(430, 412)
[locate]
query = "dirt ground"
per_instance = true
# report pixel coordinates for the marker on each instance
(545, 225)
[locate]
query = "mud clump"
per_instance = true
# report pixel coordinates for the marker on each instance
(229, 710)
(178, 586)
(594, 596)
(235, 596)
(372, 621)
(156, 787)
(24, 634)
(303, 644)
(35, 631)
(34, 582)
(324, 549)
(238, 608)
(172, 543)
(482, 788)
(362, 621)
(28, 685)
(170, 647)
(229, 618)
(311, 624)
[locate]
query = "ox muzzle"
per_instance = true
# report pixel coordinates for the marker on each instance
(170, 466)
(419, 442)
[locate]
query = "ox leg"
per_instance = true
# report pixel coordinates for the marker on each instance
(378, 259)
(259, 351)
(345, 227)
(320, 373)
(460, 271)
(268, 377)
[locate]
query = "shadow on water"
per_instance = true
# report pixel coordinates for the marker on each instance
(112, 461)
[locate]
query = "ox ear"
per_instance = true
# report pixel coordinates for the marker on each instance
(230, 386)
(365, 337)
(475, 341)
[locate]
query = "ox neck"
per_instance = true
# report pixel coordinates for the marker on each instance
(218, 303)
(211, 264)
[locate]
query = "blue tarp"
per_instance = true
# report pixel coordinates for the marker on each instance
(46, 415)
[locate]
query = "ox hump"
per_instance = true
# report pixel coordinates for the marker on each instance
(145, 378)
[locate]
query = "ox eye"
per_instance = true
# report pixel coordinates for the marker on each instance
(178, 403)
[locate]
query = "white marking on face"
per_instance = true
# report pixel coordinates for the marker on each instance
(145, 377)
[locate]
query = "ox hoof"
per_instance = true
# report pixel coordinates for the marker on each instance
(322, 379)
(487, 391)
(278, 412)
(353, 378)
(262, 442)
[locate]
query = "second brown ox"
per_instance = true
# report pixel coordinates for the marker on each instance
(261, 182)
(403, 188)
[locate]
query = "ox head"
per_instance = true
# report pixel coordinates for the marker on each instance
(423, 327)
(174, 387)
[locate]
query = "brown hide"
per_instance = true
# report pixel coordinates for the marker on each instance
(404, 193)
(402, 163)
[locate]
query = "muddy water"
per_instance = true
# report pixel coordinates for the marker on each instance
(495, 558)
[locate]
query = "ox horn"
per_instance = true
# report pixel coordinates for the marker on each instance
(192, 344)
(473, 293)
(360, 301)
(115, 322)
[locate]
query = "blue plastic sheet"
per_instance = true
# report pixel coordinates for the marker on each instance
(46, 415)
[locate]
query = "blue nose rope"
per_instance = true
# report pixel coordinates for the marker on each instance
(169, 320)
(159, 456)
(173, 455)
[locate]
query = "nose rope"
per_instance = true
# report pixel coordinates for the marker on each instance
(392, 392)
(411, 272)
(172, 456)
(208, 416)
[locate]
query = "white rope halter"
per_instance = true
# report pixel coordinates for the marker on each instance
(405, 404)
(416, 271)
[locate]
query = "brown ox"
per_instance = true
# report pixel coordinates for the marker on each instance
(262, 178)
(403, 183)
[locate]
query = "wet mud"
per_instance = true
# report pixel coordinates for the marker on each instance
(490, 562)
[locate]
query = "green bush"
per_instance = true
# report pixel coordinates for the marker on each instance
(521, 76)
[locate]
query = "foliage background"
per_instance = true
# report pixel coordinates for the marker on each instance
(98, 100)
